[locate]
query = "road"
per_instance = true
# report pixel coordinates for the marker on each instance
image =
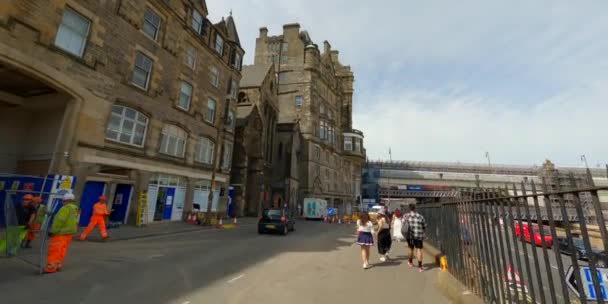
(318, 263)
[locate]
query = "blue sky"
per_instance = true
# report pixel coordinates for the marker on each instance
(450, 80)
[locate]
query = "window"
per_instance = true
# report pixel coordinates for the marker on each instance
(214, 75)
(190, 58)
(72, 33)
(329, 114)
(151, 24)
(282, 76)
(298, 101)
(322, 109)
(227, 155)
(348, 143)
(173, 141)
(317, 152)
(219, 44)
(323, 129)
(142, 70)
(185, 96)
(210, 116)
(204, 151)
(237, 61)
(234, 88)
(127, 126)
(230, 121)
(197, 22)
(357, 144)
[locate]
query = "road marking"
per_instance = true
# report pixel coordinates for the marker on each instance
(235, 279)
(554, 267)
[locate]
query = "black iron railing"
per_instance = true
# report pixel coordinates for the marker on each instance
(498, 249)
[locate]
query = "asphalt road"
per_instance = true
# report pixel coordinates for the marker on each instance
(318, 263)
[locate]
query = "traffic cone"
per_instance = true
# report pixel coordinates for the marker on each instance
(339, 221)
(220, 224)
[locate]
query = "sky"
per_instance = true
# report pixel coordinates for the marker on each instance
(449, 81)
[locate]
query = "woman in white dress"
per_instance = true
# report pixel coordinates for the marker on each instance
(396, 225)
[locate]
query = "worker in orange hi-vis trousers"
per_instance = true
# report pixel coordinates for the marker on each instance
(63, 228)
(100, 210)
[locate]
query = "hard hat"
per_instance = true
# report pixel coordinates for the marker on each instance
(28, 197)
(69, 197)
(38, 199)
(102, 198)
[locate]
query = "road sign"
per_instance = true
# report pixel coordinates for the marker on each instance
(587, 282)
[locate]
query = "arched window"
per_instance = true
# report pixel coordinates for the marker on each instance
(127, 126)
(173, 141)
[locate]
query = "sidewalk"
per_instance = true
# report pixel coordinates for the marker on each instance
(128, 232)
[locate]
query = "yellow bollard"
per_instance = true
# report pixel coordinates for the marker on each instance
(443, 263)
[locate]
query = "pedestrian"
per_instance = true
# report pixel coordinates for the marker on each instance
(100, 210)
(416, 226)
(63, 228)
(383, 236)
(35, 222)
(364, 237)
(396, 225)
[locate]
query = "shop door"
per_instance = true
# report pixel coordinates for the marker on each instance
(90, 194)
(160, 203)
(120, 204)
(169, 200)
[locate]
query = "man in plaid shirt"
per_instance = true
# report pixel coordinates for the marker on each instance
(415, 236)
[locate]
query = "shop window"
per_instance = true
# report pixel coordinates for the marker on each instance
(72, 33)
(127, 126)
(173, 141)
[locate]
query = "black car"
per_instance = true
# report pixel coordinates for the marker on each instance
(581, 253)
(276, 220)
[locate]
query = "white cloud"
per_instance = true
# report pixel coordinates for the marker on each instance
(522, 79)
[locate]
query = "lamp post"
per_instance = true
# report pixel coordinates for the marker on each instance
(216, 149)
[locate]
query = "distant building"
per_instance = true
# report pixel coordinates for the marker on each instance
(315, 101)
(130, 97)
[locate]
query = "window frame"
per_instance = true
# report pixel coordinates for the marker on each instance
(348, 140)
(219, 48)
(214, 75)
(234, 88)
(85, 39)
(181, 93)
(317, 152)
(165, 132)
(227, 155)
(157, 29)
(199, 28)
(188, 56)
(199, 154)
(237, 61)
(135, 121)
(149, 73)
(299, 103)
(212, 121)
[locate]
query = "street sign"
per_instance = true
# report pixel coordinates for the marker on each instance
(587, 282)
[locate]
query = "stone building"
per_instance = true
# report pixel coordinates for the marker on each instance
(255, 139)
(315, 96)
(129, 96)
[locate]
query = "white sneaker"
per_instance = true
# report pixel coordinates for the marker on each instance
(382, 259)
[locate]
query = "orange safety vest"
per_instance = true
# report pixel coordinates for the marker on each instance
(100, 209)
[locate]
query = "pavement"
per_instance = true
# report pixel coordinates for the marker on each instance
(318, 263)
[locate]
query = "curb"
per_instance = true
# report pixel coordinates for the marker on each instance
(448, 284)
(139, 237)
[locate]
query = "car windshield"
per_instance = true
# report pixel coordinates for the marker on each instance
(273, 213)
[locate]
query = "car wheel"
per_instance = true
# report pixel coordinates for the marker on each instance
(260, 231)
(285, 230)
